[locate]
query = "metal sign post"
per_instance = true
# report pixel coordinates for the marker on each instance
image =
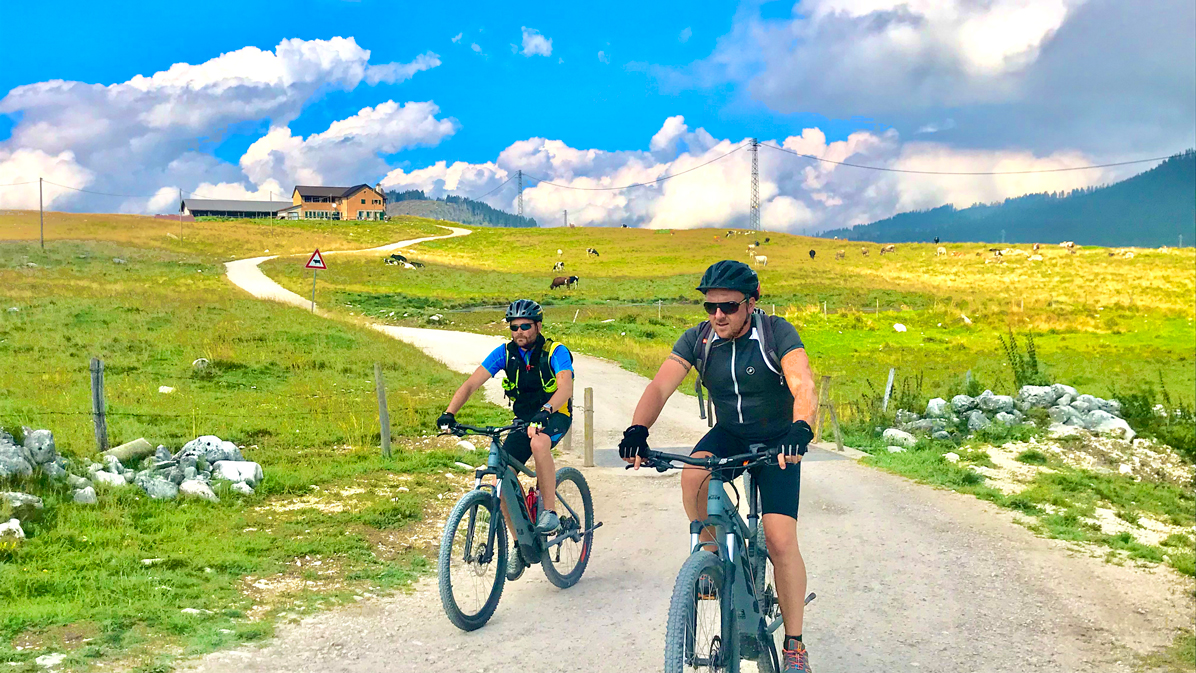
(315, 263)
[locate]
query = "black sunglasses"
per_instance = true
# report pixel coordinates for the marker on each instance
(728, 307)
(522, 327)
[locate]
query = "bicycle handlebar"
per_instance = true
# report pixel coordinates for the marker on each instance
(461, 429)
(664, 461)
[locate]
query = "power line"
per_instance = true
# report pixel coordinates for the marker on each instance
(641, 184)
(15, 184)
(504, 184)
(914, 172)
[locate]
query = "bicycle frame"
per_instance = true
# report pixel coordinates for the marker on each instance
(731, 534)
(510, 492)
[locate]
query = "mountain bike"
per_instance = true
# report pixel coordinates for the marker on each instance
(724, 606)
(472, 564)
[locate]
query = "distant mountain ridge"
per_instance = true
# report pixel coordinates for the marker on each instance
(1151, 209)
(453, 209)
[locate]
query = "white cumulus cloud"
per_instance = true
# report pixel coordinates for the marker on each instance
(797, 194)
(535, 44)
(157, 130)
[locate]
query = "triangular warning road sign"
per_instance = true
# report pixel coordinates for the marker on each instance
(316, 261)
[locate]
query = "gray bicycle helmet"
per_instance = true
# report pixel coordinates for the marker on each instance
(731, 275)
(525, 308)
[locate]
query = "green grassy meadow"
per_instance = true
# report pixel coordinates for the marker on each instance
(107, 584)
(329, 522)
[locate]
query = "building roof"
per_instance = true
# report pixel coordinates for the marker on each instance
(235, 206)
(340, 192)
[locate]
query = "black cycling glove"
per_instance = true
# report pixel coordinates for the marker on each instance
(797, 439)
(446, 421)
(634, 443)
(540, 420)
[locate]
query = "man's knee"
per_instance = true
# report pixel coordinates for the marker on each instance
(780, 532)
(692, 478)
(541, 445)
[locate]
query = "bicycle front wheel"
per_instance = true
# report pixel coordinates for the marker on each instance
(764, 583)
(564, 563)
(696, 637)
(472, 562)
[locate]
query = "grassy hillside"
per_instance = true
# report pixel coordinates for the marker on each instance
(1151, 209)
(1104, 323)
(329, 521)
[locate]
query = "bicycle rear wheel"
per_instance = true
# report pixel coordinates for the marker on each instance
(694, 636)
(471, 571)
(564, 563)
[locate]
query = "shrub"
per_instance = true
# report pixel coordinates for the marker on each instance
(1155, 414)
(1032, 457)
(1025, 366)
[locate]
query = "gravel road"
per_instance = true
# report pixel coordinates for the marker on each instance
(909, 578)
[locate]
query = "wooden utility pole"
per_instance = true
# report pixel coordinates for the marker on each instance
(823, 390)
(383, 411)
(97, 404)
(588, 458)
(41, 214)
(888, 390)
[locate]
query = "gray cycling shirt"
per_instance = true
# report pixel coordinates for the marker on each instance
(751, 400)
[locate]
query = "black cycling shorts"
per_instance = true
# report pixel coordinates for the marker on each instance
(779, 489)
(519, 446)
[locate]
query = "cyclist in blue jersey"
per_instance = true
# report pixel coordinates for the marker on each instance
(539, 382)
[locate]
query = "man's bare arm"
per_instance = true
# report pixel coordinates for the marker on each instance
(564, 390)
(471, 385)
(668, 377)
(796, 366)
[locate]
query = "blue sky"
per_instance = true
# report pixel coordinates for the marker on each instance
(831, 78)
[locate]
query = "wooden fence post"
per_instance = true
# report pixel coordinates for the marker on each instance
(830, 407)
(888, 389)
(97, 404)
(588, 460)
(383, 411)
(823, 389)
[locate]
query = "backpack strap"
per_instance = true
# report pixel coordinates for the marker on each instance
(703, 346)
(768, 343)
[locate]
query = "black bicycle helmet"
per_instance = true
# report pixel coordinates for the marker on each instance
(731, 275)
(525, 308)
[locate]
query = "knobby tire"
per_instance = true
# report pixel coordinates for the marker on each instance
(483, 501)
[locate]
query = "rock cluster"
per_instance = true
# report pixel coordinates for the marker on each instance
(187, 473)
(964, 415)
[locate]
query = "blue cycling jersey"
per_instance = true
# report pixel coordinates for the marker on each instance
(561, 361)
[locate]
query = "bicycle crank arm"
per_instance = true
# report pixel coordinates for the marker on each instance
(575, 536)
(779, 621)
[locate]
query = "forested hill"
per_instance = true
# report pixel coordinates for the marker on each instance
(1151, 209)
(453, 209)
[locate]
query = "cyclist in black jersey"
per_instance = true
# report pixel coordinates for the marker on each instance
(754, 403)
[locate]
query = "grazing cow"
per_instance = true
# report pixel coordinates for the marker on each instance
(559, 266)
(757, 243)
(396, 258)
(559, 281)
(767, 240)
(559, 252)
(1129, 254)
(389, 261)
(751, 247)
(841, 254)
(1036, 247)
(1111, 253)
(940, 251)
(936, 240)
(958, 253)
(592, 251)
(864, 251)
(761, 260)
(572, 281)
(811, 254)
(418, 265)
(624, 226)
(994, 260)
(888, 248)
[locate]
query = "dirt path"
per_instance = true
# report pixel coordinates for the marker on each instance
(908, 577)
